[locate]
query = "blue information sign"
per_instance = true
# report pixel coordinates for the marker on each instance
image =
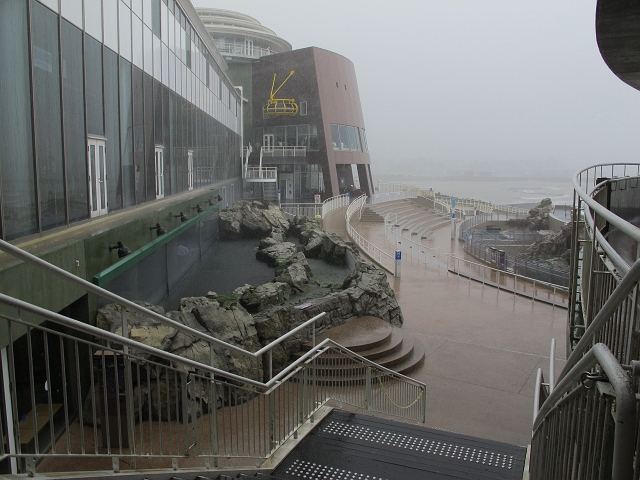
(398, 255)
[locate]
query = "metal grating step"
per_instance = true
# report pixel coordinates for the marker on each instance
(351, 446)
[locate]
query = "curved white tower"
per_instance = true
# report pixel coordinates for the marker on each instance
(239, 37)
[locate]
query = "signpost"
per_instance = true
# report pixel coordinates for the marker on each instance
(453, 218)
(398, 259)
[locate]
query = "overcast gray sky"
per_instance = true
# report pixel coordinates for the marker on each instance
(482, 82)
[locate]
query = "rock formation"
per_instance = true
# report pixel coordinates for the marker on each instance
(365, 291)
(538, 218)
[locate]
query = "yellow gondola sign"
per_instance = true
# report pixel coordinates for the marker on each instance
(280, 106)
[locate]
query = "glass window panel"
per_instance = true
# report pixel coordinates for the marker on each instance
(172, 70)
(126, 134)
(164, 23)
(335, 136)
(344, 137)
(149, 150)
(52, 4)
(157, 58)
(72, 11)
(72, 83)
(46, 77)
(148, 50)
(110, 18)
(137, 42)
(155, 17)
(358, 144)
(93, 18)
(278, 136)
(138, 134)
(314, 145)
(364, 141)
(136, 7)
(112, 132)
(16, 152)
(172, 33)
(291, 136)
(93, 61)
(165, 64)
(127, 3)
(352, 138)
(303, 135)
(146, 12)
(125, 32)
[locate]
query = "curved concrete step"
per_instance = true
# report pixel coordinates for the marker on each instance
(360, 334)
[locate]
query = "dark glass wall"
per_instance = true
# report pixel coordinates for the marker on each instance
(19, 212)
(64, 87)
(74, 136)
(112, 130)
(47, 113)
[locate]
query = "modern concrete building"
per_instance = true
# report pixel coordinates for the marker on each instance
(312, 140)
(117, 115)
(314, 133)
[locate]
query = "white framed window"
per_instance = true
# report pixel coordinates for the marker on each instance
(303, 109)
(97, 169)
(190, 169)
(159, 157)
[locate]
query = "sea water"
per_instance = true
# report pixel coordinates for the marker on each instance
(500, 190)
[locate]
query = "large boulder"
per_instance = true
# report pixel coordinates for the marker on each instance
(257, 299)
(277, 253)
(334, 249)
(538, 218)
(251, 219)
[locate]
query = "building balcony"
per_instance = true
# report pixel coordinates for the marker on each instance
(261, 174)
(243, 50)
(284, 151)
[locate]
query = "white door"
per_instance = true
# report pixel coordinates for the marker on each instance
(190, 169)
(248, 47)
(159, 172)
(96, 150)
(267, 142)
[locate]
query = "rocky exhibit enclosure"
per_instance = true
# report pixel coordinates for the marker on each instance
(254, 316)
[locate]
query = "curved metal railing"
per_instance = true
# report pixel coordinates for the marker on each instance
(603, 344)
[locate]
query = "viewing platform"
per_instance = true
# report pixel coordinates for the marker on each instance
(483, 346)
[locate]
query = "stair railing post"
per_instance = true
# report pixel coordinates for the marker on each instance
(213, 400)
(272, 421)
(128, 388)
(367, 391)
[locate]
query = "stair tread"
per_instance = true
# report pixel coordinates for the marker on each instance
(357, 335)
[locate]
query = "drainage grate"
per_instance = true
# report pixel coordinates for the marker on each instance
(317, 471)
(417, 444)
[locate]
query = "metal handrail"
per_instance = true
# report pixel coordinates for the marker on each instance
(625, 408)
(628, 282)
(19, 253)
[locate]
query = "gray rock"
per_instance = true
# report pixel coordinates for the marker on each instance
(263, 296)
(294, 275)
(277, 253)
(246, 219)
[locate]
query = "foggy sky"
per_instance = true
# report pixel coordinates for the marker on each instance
(485, 83)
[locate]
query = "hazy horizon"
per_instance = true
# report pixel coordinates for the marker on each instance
(495, 85)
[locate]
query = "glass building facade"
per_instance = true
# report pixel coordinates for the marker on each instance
(107, 104)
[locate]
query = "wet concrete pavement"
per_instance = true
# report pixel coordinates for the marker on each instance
(483, 346)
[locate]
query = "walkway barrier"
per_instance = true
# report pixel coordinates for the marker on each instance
(302, 209)
(508, 281)
(462, 204)
(484, 218)
(587, 427)
(415, 250)
(389, 197)
(333, 203)
(94, 395)
(379, 256)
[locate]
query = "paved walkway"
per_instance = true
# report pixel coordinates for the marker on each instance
(483, 346)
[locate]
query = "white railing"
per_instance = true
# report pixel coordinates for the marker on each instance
(482, 218)
(509, 281)
(284, 151)
(333, 203)
(242, 50)
(313, 210)
(413, 249)
(389, 196)
(462, 204)
(376, 254)
(261, 173)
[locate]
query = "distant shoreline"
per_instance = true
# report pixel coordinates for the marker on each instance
(468, 178)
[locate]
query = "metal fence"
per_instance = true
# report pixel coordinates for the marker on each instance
(508, 281)
(587, 427)
(378, 255)
(67, 380)
(100, 398)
